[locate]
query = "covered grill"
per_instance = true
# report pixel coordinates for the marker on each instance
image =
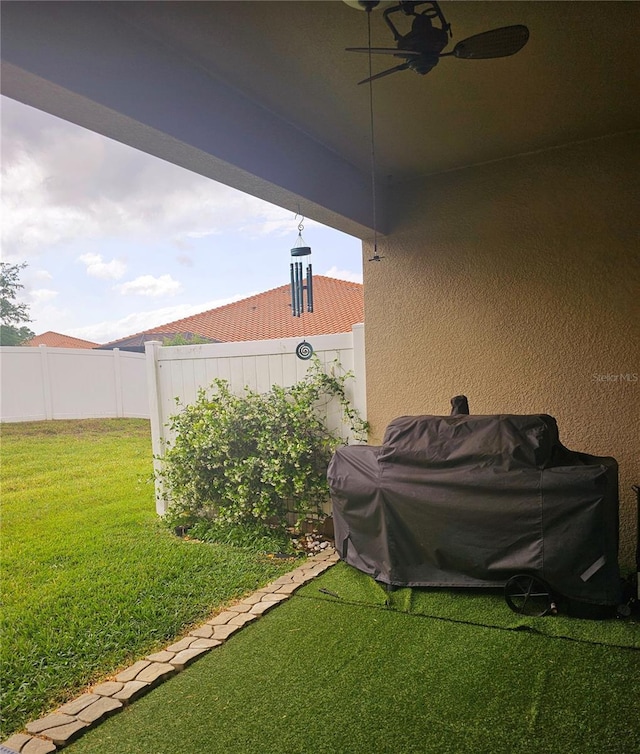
(472, 501)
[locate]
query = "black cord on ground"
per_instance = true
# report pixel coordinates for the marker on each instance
(513, 629)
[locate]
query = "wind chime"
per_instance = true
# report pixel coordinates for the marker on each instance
(304, 350)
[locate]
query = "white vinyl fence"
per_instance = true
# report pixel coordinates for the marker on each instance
(178, 372)
(75, 383)
(71, 383)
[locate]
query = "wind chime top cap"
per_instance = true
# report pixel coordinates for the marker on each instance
(300, 249)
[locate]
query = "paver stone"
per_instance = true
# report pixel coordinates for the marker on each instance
(205, 643)
(262, 607)
(287, 579)
(131, 673)
(157, 671)
(38, 746)
(202, 632)
(221, 619)
(77, 705)
(16, 742)
(109, 688)
(288, 588)
(50, 721)
(96, 711)
(274, 597)
(187, 656)
(240, 608)
(224, 632)
(251, 599)
(242, 618)
(316, 571)
(64, 734)
(182, 644)
(131, 691)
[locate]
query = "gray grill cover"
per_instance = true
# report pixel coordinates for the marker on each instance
(469, 501)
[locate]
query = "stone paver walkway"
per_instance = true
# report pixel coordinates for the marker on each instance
(53, 732)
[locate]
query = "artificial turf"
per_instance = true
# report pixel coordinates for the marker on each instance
(347, 675)
(480, 607)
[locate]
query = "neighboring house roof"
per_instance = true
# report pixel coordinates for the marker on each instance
(338, 305)
(136, 343)
(57, 340)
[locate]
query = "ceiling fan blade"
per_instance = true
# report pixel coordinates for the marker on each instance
(386, 51)
(401, 67)
(497, 43)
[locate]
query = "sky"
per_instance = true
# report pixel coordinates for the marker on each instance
(117, 241)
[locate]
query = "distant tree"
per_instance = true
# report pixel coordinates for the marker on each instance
(12, 314)
(185, 339)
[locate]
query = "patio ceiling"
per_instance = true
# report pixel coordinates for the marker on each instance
(263, 96)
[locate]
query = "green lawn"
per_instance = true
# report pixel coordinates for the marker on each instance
(90, 579)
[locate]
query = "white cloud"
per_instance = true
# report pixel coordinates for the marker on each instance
(62, 183)
(42, 294)
(105, 332)
(46, 315)
(353, 277)
(147, 285)
(29, 221)
(96, 268)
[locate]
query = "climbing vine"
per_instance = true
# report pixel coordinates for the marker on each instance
(256, 458)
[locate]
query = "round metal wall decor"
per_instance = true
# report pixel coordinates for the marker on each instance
(304, 350)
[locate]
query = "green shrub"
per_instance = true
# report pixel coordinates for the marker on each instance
(255, 458)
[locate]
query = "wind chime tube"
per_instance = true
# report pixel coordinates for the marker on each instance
(299, 289)
(309, 288)
(293, 291)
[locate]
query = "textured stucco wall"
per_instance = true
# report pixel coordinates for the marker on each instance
(517, 283)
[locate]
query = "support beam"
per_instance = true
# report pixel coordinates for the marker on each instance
(84, 62)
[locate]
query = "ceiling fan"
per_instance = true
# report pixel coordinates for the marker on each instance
(422, 47)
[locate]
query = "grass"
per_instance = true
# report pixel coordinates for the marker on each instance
(90, 579)
(321, 675)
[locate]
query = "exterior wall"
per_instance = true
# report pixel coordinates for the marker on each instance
(517, 284)
(177, 373)
(71, 383)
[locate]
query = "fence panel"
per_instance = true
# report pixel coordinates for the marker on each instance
(176, 373)
(71, 383)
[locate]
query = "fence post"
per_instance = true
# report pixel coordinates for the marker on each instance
(46, 381)
(152, 351)
(117, 374)
(359, 368)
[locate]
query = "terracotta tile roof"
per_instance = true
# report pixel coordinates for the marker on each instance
(338, 305)
(57, 340)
